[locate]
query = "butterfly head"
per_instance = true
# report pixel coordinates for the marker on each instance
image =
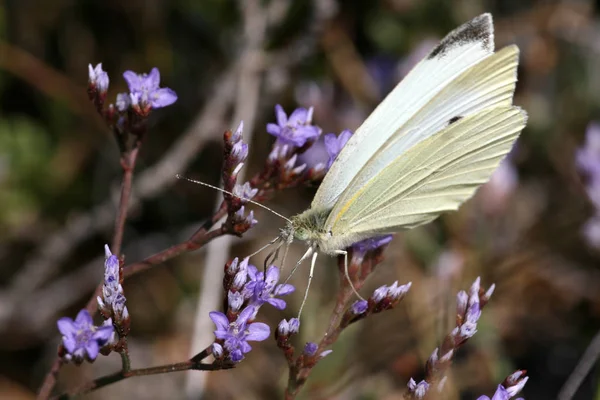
(308, 226)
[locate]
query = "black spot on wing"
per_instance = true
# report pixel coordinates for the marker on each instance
(479, 29)
(454, 119)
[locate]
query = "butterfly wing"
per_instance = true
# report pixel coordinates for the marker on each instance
(489, 84)
(461, 49)
(434, 176)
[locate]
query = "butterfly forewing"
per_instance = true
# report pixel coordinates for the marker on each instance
(490, 83)
(464, 47)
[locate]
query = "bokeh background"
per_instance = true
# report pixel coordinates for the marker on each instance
(228, 60)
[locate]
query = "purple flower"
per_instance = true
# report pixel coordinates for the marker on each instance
(217, 350)
(295, 130)
(392, 292)
(468, 308)
(123, 101)
(379, 293)
(395, 292)
(144, 89)
(588, 157)
(325, 353)
(241, 276)
(359, 307)
(469, 327)
(236, 136)
(462, 300)
(512, 385)
(419, 390)
(334, 144)
(310, 349)
(283, 329)
(291, 168)
(501, 394)
(112, 301)
(286, 328)
(262, 290)
(235, 300)
(515, 382)
(98, 77)
(244, 192)
(248, 219)
(81, 338)
(111, 266)
(371, 243)
(236, 335)
(294, 325)
(588, 161)
(239, 152)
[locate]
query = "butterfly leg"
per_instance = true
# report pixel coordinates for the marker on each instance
(304, 257)
(285, 253)
(345, 253)
(310, 276)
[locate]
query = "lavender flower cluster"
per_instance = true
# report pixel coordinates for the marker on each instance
(82, 340)
(144, 94)
(247, 290)
(588, 161)
(468, 311)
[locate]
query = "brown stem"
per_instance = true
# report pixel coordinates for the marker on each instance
(192, 364)
(333, 331)
(50, 380)
(125, 360)
(128, 161)
(299, 371)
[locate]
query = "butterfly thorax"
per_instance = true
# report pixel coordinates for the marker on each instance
(309, 227)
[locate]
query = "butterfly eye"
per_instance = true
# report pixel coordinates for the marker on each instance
(302, 234)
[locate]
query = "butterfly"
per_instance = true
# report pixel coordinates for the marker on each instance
(437, 136)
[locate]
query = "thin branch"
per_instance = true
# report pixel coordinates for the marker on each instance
(193, 364)
(50, 380)
(128, 162)
(583, 368)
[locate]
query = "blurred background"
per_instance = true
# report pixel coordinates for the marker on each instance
(531, 229)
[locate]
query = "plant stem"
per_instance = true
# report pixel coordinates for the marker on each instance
(125, 360)
(128, 161)
(299, 372)
(50, 380)
(192, 364)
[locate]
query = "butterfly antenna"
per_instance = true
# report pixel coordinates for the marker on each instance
(234, 195)
(278, 238)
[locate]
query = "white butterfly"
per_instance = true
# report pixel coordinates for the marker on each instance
(425, 149)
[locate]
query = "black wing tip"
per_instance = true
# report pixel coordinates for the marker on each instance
(479, 29)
